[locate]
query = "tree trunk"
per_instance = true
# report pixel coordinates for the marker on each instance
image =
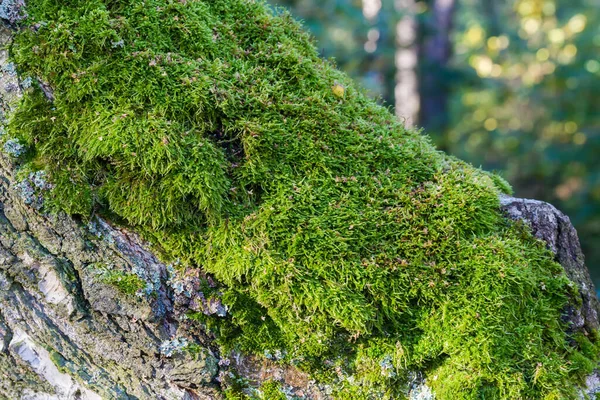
(434, 58)
(65, 333)
(407, 57)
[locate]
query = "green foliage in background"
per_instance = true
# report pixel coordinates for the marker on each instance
(347, 244)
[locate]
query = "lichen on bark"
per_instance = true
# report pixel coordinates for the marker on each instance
(319, 230)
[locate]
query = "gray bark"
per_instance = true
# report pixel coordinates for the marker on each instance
(553, 227)
(64, 334)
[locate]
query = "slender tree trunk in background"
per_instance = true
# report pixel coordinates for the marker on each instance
(378, 70)
(407, 59)
(388, 17)
(435, 55)
(489, 9)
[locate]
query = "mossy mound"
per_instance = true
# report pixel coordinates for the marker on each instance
(344, 240)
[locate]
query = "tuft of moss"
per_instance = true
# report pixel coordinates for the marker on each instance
(59, 361)
(127, 283)
(343, 239)
(271, 390)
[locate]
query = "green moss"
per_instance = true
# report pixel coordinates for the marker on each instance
(230, 394)
(127, 283)
(59, 361)
(342, 238)
(501, 183)
(271, 390)
(237, 388)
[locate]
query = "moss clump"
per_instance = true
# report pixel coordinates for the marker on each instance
(344, 239)
(271, 390)
(59, 361)
(127, 283)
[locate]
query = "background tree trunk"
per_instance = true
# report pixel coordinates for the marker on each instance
(434, 58)
(407, 60)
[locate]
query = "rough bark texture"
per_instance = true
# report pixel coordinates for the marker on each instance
(57, 319)
(555, 228)
(67, 334)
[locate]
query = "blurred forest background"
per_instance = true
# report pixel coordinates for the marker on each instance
(512, 86)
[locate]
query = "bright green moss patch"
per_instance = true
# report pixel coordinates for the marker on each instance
(127, 283)
(271, 390)
(344, 241)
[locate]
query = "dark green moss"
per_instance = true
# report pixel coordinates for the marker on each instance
(59, 361)
(237, 388)
(269, 390)
(342, 237)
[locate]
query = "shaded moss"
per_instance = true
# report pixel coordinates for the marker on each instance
(501, 184)
(269, 390)
(343, 238)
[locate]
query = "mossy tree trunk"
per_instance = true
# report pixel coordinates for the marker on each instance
(70, 325)
(64, 331)
(88, 310)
